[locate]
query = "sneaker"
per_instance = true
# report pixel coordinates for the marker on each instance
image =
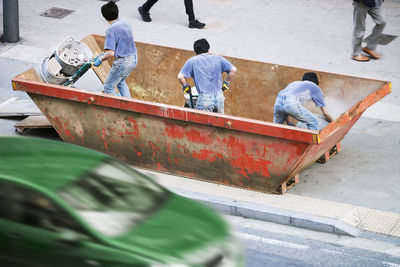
(196, 24)
(145, 15)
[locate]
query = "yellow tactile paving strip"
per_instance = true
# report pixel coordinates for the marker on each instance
(365, 219)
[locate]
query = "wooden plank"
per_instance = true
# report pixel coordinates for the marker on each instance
(30, 75)
(96, 48)
(33, 122)
(14, 107)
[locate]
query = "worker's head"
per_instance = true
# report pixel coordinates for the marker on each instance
(110, 11)
(310, 76)
(201, 46)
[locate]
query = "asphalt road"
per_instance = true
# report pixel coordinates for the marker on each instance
(269, 244)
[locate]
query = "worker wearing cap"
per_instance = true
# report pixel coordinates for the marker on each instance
(290, 101)
(120, 44)
(206, 70)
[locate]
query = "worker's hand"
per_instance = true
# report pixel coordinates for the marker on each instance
(97, 63)
(225, 85)
(186, 89)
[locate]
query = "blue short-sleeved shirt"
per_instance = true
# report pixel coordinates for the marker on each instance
(119, 38)
(206, 71)
(305, 91)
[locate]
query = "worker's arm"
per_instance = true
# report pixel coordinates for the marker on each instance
(185, 87)
(327, 116)
(231, 74)
(229, 78)
(107, 54)
(182, 79)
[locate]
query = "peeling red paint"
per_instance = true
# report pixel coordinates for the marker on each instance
(207, 155)
(174, 131)
(160, 167)
(134, 130)
(193, 135)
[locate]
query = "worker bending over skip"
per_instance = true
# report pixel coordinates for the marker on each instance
(206, 70)
(290, 101)
(119, 43)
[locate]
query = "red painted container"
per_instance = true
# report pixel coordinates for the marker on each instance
(241, 148)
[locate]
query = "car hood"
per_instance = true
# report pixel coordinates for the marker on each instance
(180, 227)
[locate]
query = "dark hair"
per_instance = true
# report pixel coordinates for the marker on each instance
(310, 76)
(201, 46)
(110, 11)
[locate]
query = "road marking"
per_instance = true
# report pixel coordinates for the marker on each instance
(272, 241)
(331, 251)
(390, 264)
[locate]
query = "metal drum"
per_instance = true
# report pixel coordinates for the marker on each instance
(72, 54)
(50, 77)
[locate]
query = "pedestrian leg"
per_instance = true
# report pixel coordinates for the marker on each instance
(359, 16)
(189, 9)
(380, 23)
(148, 5)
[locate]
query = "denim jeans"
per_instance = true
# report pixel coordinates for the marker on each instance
(211, 102)
(290, 105)
(121, 68)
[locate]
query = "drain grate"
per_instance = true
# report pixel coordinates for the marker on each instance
(385, 39)
(56, 12)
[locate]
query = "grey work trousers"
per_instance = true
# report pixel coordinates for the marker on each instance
(359, 15)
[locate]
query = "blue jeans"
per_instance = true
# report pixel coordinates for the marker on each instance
(211, 102)
(290, 105)
(121, 68)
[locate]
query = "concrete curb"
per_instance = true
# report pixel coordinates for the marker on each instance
(271, 214)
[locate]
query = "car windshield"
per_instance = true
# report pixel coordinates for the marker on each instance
(113, 198)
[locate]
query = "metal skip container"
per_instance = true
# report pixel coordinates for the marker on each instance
(241, 148)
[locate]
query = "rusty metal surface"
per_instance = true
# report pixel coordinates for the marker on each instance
(193, 150)
(234, 150)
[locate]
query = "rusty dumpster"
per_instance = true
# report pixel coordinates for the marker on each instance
(241, 148)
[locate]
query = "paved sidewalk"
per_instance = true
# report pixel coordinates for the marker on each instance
(289, 209)
(356, 190)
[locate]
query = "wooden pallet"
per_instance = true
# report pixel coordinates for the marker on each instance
(32, 122)
(329, 154)
(285, 186)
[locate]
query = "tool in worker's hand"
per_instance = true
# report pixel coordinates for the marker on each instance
(225, 85)
(186, 89)
(97, 62)
(82, 70)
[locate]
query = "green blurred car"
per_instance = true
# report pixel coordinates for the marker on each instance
(65, 205)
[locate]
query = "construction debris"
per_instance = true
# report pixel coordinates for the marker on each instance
(72, 56)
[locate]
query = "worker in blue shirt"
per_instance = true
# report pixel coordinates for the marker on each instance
(120, 44)
(290, 101)
(206, 70)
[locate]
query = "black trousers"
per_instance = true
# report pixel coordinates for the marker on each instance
(188, 5)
